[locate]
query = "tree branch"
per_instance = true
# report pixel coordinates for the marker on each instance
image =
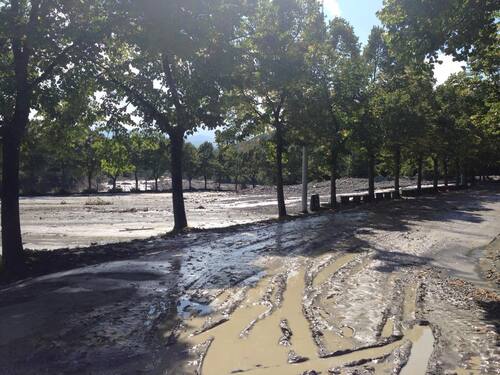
(59, 59)
(138, 99)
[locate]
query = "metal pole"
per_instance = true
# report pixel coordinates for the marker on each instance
(304, 179)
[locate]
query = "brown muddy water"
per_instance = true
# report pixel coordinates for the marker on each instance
(270, 334)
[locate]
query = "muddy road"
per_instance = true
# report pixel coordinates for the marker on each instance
(399, 287)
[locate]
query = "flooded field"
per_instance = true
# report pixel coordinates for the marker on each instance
(57, 222)
(400, 287)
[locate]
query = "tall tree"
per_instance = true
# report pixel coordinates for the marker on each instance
(334, 89)
(176, 58)
(400, 106)
(273, 66)
(156, 155)
(191, 163)
(368, 129)
(138, 148)
(206, 158)
(39, 41)
(115, 151)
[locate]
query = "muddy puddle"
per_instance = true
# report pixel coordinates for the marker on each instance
(421, 351)
(272, 329)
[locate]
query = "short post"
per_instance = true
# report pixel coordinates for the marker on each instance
(315, 206)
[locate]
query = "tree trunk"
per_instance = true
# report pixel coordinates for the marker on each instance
(236, 184)
(190, 185)
(156, 184)
(279, 171)
(89, 180)
(136, 180)
(333, 180)
(64, 185)
(176, 143)
(457, 173)
(465, 176)
(445, 171)
(12, 244)
(205, 178)
(420, 166)
(371, 175)
(397, 169)
(114, 183)
(435, 176)
(304, 179)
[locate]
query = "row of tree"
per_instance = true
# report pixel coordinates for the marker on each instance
(59, 159)
(275, 70)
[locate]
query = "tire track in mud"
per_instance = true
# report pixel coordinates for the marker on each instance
(279, 327)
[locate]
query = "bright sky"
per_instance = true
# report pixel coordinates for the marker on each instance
(361, 14)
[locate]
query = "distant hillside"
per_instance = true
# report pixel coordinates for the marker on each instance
(202, 136)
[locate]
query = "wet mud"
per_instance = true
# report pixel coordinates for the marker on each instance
(364, 291)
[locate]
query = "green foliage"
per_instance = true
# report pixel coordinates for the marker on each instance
(269, 71)
(465, 29)
(115, 156)
(206, 157)
(191, 162)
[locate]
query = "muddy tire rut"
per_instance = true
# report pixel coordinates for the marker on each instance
(341, 314)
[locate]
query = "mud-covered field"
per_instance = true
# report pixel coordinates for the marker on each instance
(399, 287)
(56, 222)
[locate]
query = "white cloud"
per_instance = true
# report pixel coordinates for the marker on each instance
(447, 68)
(332, 8)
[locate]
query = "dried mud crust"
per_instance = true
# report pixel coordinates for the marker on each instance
(465, 321)
(490, 263)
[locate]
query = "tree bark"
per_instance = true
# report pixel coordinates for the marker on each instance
(136, 180)
(371, 175)
(435, 176)
(333, 179)
(279, 169)
(397, 169)
(205, 178)
(304, 179)
(12, 244)
(89, 180)
(420, 166)
(114, 183)
(445, 171)
(176, 143)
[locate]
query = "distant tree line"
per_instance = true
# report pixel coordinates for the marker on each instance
(273, 75)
